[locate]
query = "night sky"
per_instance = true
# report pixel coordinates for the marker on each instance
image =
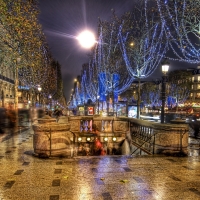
(63, 19)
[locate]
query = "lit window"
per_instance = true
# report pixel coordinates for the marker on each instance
(198, 86)
(198, 78)
(192, 79)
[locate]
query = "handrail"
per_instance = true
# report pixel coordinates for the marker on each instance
(144, 143)
(149, 138)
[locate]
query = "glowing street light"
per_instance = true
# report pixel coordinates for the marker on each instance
(165, 68)
(86, 39)
(39, 90)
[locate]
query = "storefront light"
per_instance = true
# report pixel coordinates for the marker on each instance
(114, 139)
(88, 139)
(105, 139)
(79, 139)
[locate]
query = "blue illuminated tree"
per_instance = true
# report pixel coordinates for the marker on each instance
(181, 19)
(142, 42)
(89, 82)
(150, 94)
(113, 77)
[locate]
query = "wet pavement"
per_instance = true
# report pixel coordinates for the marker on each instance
(25, 177)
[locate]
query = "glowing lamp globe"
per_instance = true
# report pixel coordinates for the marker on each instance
(165, 68)
(86, 39)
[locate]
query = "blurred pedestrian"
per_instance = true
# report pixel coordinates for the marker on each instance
(11, 116)
(57, 113)
(195, 125)
(50, 113)
(2, 119)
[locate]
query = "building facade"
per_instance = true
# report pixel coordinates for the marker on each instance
(195, 90)
(7, 88)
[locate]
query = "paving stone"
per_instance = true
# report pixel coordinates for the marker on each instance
(54, 197)
(56, 182)
(186, 167)
(59, 163)
(106, 196)
(172, 160)
(174, 178)
(18, 172)
(26, 163)
(94, 170)
(57, 171)
(194, 190)
(127, 169)
(138, 179)
(99, 181)
(9, 184)
(118, 161)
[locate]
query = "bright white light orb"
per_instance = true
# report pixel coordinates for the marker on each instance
(86, 39)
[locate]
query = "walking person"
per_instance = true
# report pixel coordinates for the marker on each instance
(12, 118)
(2, 119)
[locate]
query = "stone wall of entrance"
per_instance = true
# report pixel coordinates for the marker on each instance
(71, 134)
(51, 138)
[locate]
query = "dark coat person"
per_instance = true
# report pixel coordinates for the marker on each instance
(2, 119)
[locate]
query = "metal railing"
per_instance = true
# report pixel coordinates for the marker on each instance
(147, 135)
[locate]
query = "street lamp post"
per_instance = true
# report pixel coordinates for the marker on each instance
(39, 90)
(16, 84)
(139, 100)
(29, 102)
(50, 97)
(165, 67)
(98, 103)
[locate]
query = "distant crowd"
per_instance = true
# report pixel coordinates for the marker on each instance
(10, 119)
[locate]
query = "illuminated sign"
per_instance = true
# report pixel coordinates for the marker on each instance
(90, 110)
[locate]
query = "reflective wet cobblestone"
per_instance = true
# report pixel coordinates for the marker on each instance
(25, 177)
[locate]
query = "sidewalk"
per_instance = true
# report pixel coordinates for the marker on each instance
(10, 131)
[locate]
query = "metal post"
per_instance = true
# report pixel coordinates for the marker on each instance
(16, 84)
(163, 98)
(50, 141)
(154, 138)
(16, 88)
(113, 102)
(39, 99)
(98, 105)
(139, 100)
(107, 99)
(181, 145)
